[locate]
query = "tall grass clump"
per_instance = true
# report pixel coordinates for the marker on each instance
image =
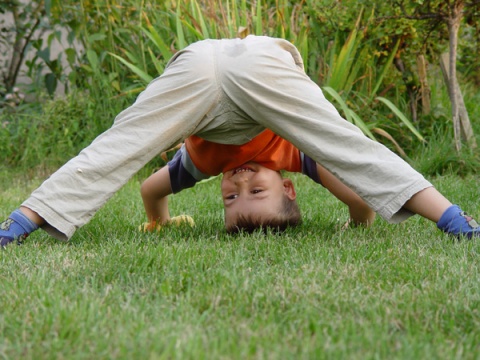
(437, 155)
(46, 137)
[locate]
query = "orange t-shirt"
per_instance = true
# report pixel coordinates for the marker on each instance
(266, 149)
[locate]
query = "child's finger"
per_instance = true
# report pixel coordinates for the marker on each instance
(149, 227)
(176, 221)
(182, 219)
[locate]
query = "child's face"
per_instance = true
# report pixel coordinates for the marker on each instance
(254, 190)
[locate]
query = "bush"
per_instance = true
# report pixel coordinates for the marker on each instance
(47, 136)
(439, 157)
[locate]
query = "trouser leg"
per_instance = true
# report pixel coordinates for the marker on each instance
(169, 110)
(266, 81)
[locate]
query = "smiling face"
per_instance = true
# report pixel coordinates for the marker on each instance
(254, 191)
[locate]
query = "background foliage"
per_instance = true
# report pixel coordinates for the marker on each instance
(362, 53)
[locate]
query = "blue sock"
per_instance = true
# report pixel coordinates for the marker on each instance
(16, 228)
(456, 222)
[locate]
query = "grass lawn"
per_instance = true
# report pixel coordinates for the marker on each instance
(391, 291)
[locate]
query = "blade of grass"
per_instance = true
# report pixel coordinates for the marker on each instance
(197, 13)
(258, 19)
(385, 68)
(386, 135)
(158, 64)
(182, 43)
(401, 116)
(349, 113)
(139, 72)
(153, 35)
(197, 34)
(344, 60)
(361, 124)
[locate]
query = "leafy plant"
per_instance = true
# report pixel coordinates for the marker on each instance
(353, 79)
(28, 25)
(47, 137)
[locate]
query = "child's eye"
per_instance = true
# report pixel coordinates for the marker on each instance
(231, 197)
(256, 191)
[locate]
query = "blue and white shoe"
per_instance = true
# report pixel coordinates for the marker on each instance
(16, 228)
(456, 222)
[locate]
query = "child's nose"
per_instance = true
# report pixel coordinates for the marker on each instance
(240, 180)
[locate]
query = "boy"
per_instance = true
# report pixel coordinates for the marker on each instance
(227, 92)
(253, 191)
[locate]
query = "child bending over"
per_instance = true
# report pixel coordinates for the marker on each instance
(229, 92)
(253, 191)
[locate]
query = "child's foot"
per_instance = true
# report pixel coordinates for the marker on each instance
(16, 228)
(456, 222)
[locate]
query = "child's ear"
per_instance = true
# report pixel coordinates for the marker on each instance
(289, 189)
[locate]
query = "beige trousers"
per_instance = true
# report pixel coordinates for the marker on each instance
(225, 91)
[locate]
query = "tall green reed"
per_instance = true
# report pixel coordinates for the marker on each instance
(352, 78)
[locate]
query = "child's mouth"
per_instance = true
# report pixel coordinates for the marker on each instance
(242, 169)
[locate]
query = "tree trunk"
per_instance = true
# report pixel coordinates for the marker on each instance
(424, 88)
(465, 124)
(400, 65)
(24, 31)
(454, 19)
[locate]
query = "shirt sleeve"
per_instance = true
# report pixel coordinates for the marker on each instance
(180, 177)
(309, 168)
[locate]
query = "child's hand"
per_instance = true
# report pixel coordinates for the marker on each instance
(149, 227)
(176, 221)
(180, 220)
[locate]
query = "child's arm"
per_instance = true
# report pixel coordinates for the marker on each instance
(154, 193)
(360, 212)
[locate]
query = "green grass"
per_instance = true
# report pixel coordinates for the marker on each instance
(391, 291)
